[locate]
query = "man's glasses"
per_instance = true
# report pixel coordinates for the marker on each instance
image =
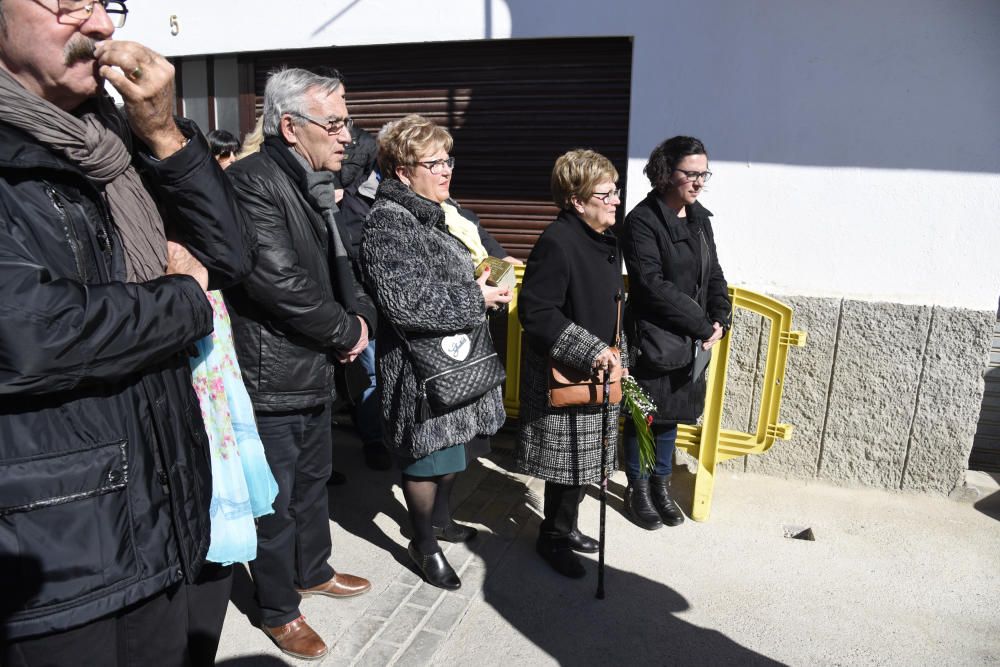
(606, 197)
(436, 166)
(695, 175)
(331, 125)
(79, 11)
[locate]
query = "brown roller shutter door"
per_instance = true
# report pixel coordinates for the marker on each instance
(513, 106)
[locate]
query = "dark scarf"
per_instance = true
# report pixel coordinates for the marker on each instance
(319, 189)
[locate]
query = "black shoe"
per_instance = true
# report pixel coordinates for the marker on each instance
(337, 478)
(583, 543)
(639, 506)
(435, 568)
(377, 456)
(558, 553)
(455, 532)
(668, 510)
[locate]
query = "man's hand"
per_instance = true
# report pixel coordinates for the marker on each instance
(181, 262)
(359, 347)
(716, 336)
(146, 82)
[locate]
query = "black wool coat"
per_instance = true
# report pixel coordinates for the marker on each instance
(571, 277)
(663, 255)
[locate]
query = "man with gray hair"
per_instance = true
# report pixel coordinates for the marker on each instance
(299, 311)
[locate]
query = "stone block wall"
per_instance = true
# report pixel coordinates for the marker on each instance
(884, 395)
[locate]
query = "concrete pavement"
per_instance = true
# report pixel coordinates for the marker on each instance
(891, 579)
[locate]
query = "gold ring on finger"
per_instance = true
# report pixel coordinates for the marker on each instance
(136, 73)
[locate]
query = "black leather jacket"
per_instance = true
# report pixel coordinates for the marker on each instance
(105, 477)
(286, 320)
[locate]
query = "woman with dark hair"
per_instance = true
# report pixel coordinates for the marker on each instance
(678, 307)
(224, 147)
(422, 279)
(568, 307)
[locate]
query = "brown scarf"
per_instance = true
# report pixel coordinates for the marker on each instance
(90, 142)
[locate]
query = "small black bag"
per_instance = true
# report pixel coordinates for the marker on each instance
(453, 370)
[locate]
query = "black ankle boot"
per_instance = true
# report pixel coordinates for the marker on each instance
(558, 553)
(455, 532)
(669, 512)
(435, 568)
(639, 506)
(583, 543)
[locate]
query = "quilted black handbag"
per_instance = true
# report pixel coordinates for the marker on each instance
(453, 370)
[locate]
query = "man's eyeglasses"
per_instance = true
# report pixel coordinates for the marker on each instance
(436, 166)
(606, 197)
(695, 175)
(331, 125)
(79, 11)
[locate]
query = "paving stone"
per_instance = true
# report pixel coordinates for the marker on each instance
(386, 604)
(426, 595)
(354, 639)
(421, 650)
(399, 628)
(408, 577)
(473, 578)
(378, 654)
(447, 614)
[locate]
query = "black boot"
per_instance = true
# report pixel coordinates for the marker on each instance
(558, 553)
(639, 506)
(669, 512)
(585, 544)
(435, 568)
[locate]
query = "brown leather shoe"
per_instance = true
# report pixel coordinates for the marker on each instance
(340, 586)
(297, 639)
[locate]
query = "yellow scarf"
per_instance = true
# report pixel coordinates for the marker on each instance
(465, 231)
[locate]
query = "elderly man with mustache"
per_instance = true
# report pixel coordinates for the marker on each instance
(105, 480)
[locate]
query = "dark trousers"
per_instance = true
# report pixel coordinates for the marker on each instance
(180, 626)
(664, 439)
(293, 543)
(561, 508)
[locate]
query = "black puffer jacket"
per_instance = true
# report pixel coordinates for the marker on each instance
(105, 478)
(287, 322)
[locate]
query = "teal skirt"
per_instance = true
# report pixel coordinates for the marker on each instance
(442, 462)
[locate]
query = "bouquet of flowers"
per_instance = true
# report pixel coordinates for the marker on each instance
(641, 408)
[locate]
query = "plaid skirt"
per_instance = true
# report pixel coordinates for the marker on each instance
(561, 445)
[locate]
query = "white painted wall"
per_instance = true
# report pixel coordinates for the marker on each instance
(856, 144)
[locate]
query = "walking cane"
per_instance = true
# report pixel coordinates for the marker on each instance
(604, 461)
(604, 484)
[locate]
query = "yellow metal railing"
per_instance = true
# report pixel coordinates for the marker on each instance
(708, 442)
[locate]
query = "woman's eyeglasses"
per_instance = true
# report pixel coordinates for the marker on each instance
(606, 197)
(695, 175)
(436, 166)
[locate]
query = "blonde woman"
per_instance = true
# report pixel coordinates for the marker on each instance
(421, 278)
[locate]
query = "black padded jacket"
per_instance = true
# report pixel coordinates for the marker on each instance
(105, 477)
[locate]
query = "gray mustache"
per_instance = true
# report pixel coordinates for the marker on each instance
(79, 48)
